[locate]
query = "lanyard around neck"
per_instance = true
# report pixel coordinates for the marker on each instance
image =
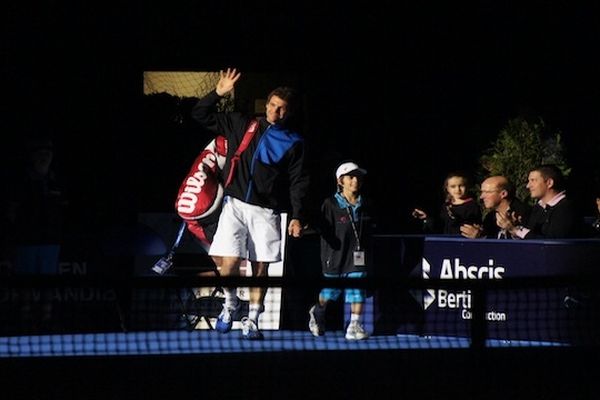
(357, 232)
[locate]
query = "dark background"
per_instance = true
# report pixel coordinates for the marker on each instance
(410, 91)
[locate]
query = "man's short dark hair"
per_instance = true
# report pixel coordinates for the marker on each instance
(551, 171)
(287, 94)
(290, 96)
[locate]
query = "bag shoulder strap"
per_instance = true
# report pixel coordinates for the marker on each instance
(252, 128)
(250, 131)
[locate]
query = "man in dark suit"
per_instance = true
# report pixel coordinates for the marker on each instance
(553, 217)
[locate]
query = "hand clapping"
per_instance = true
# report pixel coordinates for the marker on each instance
(506, 220)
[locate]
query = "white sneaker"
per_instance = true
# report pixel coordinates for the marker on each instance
(356, 331)
(250, 330)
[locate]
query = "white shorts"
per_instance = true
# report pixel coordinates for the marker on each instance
(247, 231)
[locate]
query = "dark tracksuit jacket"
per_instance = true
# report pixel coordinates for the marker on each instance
(271, 171)
(338, 241)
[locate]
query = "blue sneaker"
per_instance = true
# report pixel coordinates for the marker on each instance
(250, 330)
(225, 319)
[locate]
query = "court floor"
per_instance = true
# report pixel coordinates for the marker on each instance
(206, 342)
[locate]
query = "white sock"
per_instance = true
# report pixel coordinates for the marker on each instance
(253, 312)
(355, 318)
(231, 299)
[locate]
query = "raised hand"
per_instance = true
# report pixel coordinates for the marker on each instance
(227, 81)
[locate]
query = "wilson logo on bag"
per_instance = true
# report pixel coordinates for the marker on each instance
(201, 192)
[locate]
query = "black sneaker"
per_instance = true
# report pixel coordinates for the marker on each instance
(316, 324)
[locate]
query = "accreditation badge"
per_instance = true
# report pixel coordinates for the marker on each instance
(359, 258)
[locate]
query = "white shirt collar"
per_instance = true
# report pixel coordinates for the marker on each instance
(553, 201)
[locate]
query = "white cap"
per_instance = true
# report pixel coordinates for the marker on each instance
(349, 168)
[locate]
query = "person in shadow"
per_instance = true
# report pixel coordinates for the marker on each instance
(35, 211)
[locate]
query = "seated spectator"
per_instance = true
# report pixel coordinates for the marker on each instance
(553, 217)
(498, 195)
(36, 210)
(458, 209)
